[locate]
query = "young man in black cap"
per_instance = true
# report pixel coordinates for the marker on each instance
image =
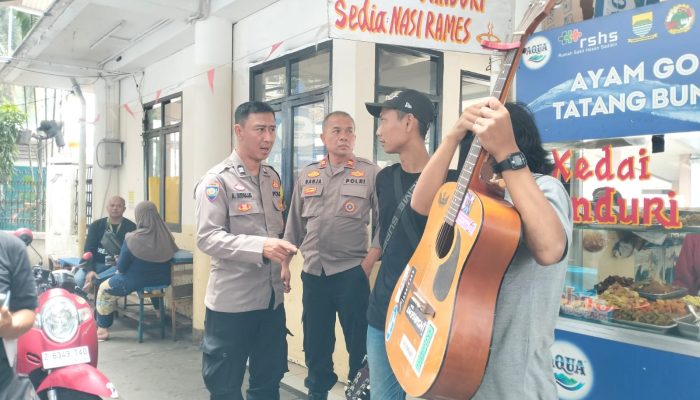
(404, 119)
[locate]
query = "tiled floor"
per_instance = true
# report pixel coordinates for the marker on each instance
(163, 369)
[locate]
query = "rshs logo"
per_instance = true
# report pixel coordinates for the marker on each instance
(570, 36)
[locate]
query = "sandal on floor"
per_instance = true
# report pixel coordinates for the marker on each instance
(102, 336)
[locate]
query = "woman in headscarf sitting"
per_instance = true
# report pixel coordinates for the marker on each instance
(144, 260)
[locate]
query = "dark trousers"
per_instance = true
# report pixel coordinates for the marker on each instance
(231, 339)
(346, 293)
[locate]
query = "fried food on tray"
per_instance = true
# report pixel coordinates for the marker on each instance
(694, 300)
(654, 287)
(605, 284)
(622, 297)
(675, 307)
(645, 317)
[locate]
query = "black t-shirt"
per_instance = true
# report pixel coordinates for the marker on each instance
(16, 276)
(399, 249)
(94, 236)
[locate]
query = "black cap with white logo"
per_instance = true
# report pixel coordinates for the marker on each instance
(408, 101)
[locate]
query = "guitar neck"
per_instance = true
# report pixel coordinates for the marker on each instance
(477, 156)
(537, 10)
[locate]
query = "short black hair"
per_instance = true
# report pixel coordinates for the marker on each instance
(250, 107)
(422, 127)
(528, 139)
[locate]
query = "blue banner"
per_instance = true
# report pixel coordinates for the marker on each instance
(630, 73)
(588, 367)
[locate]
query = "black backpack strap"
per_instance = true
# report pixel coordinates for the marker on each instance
(403, 199)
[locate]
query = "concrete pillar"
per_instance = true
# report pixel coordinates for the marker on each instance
(209, 144)
(105, 181)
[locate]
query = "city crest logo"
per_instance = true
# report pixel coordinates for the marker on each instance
(680, 19)
(641, 26)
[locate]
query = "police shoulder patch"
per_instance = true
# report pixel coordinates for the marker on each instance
(212, 190)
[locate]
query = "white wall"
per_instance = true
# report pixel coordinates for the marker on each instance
(60, 195)
(205, 141)
(202, 110)
(254, 36)
(353, 81)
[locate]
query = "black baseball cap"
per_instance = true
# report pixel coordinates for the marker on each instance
(408, 101)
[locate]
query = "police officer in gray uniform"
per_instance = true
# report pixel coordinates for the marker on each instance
(239, 224)
(328, 219)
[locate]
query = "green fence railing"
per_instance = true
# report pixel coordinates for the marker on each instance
(21, 202)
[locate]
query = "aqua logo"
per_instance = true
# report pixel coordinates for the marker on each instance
(572, 371)
(569, 36)
(537, 52)
(570, 367)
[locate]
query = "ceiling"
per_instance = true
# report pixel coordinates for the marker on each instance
(87, 39)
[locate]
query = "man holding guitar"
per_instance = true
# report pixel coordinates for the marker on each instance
(519, 363)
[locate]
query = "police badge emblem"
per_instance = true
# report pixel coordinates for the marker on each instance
(212, 190)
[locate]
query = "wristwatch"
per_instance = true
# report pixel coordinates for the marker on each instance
(514, 161)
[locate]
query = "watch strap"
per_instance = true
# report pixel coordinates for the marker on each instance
(507, 163)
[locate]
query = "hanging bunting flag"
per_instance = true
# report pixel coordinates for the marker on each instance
(128, 109)
(157, 95)
(210, 77)
(274, 47)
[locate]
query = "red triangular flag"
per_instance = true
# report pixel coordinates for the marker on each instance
(272, 50)
(97, 118)
(157, 95)
(210, 77)
(128, 109)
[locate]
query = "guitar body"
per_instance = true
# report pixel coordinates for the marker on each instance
(441, 313)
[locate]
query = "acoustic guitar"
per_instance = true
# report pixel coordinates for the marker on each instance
(440, 318)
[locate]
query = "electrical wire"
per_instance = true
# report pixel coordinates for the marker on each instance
(70, 76)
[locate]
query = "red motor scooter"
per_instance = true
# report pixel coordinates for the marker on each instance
(59, 353)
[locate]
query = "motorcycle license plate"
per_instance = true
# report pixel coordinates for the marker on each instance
(61, 358)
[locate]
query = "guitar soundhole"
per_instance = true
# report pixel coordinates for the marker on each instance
(444, 240)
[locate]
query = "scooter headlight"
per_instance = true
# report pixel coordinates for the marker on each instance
(59, 319)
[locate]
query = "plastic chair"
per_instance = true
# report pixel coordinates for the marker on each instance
(152, 292)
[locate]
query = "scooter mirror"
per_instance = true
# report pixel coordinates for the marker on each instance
(25, 235)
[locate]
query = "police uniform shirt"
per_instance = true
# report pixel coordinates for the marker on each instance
(235, 214)
(329, 214)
